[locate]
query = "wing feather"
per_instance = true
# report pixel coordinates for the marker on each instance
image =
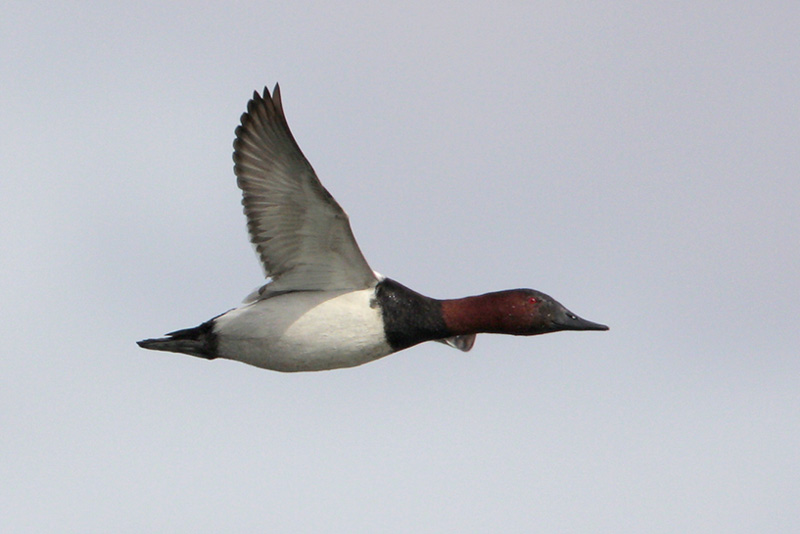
(301, 234)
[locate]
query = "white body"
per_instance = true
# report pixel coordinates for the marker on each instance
(304, 331)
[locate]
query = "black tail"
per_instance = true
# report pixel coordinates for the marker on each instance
(198, 341)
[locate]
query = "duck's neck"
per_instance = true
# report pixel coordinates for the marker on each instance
(410, 318)
(494, 313)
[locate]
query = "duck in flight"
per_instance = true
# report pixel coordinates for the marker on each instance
(324, 307)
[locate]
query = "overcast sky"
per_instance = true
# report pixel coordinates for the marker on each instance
(639, 163)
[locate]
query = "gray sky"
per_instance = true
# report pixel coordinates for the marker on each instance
(638, 163)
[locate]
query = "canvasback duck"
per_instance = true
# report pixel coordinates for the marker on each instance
(324, 307)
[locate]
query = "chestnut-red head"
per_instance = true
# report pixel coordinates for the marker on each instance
(520, 312)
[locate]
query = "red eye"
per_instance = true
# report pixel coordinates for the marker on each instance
(532, 300)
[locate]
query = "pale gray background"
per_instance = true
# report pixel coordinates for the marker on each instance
(638, 163)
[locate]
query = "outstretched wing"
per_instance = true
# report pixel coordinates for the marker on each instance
(300, 232)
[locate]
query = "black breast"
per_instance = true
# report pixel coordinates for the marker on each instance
(408, 317)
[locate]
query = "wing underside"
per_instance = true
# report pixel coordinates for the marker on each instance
(301, 234)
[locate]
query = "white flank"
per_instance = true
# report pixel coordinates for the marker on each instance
(304, 331)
